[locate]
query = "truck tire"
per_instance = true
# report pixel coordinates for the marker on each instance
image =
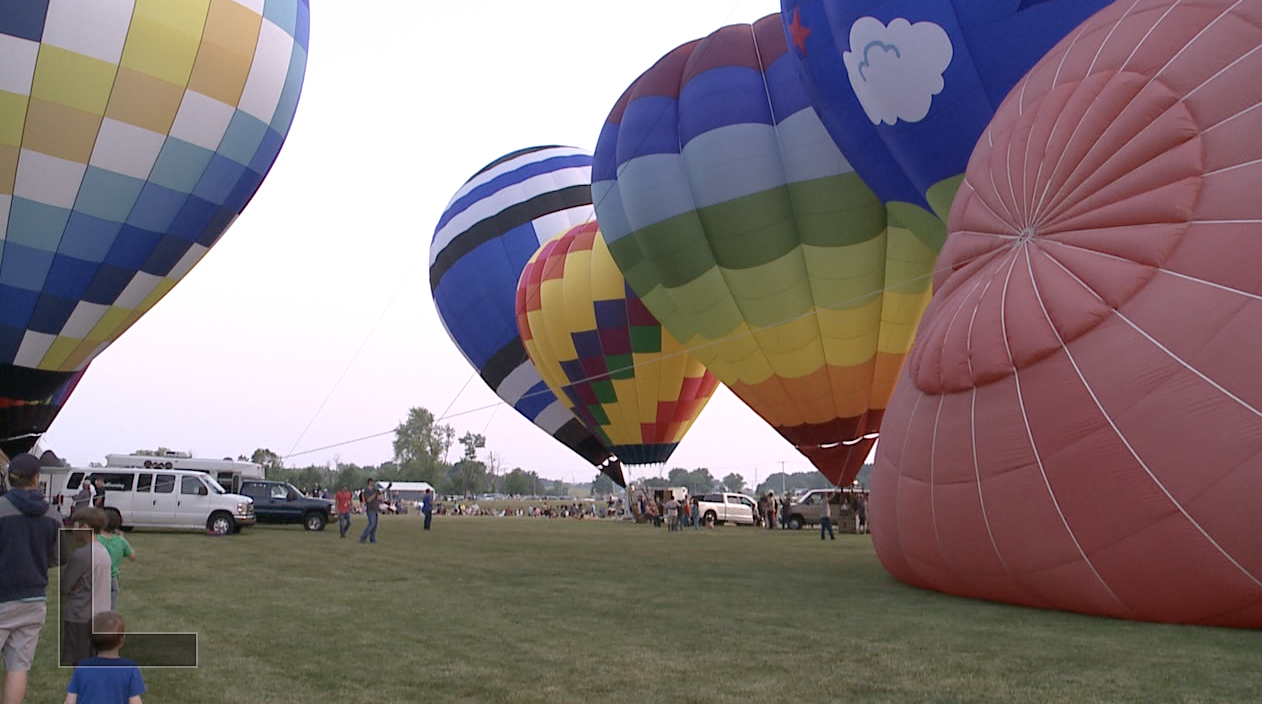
(313, 521)
(796, 522)
(712, 518)
(220, 523)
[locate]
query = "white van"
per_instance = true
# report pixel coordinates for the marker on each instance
(165, 498)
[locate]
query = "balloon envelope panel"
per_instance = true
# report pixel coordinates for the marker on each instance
(906, 87)
(1078, 425)
(489, 230)
(747, 233)
(132, 133)
(598, 347)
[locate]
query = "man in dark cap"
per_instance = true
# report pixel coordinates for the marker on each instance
(29, 530)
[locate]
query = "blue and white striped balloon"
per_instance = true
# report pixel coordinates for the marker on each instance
(487, 233)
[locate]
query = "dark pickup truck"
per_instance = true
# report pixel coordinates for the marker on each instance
(280, 502)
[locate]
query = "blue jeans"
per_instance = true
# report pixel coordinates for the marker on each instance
(370, 531)
(343, 523)
(826, 524)
(428, 516)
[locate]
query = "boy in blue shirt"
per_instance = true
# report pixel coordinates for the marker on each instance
(106, 678)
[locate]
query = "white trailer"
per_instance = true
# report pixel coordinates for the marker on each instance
(228, 472)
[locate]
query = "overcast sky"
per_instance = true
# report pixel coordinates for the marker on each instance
(310, 324)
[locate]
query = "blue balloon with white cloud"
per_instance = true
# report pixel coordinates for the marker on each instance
(906, 87)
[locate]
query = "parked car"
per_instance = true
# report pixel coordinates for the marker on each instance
(723, 507)
(165, 498)
(281, 502)
(804, 511)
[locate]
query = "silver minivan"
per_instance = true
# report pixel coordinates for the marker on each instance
(165, 498)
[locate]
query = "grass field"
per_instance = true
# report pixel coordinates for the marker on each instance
(536, 610)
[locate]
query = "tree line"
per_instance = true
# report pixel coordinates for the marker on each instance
(421, 446)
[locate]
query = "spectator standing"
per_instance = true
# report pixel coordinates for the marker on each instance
(785, 504)
(772, 504)
(85, 498)
(106, 677)
(826, 517)
(98, 493)
(343, 499)
(118, 548)
(372, 504)
(85, 586)
(29, 530)
(427, 506)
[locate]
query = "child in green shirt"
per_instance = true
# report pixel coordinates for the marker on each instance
(118, 547)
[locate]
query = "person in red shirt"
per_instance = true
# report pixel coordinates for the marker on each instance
(343, 499)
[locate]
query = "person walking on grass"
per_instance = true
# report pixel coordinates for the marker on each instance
(826, 517)
(85, 586)
(118, 548)
(343, 498)
(372, 504)
(427, 506)
(29, 534)
(106, 678)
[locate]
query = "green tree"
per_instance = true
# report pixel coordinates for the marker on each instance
(697, 481)
(558, 488)
(468, 476)
(270, 461)
(734, 482)
(472, 443)
(420, 446)
(602, 485)
(520, 482)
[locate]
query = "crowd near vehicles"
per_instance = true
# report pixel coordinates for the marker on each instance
(281, 502)
(158, 497)
(726, 507)
(805, 510)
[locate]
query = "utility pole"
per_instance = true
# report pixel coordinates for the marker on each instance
(783, 491)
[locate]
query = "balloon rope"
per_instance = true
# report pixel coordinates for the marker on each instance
(403, 281)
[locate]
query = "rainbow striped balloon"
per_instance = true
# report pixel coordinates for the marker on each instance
(737, 220)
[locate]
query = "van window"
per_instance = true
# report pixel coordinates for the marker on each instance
(73, 481)
(116, 482)
(191, 486)
(164, 484)
(143, 481)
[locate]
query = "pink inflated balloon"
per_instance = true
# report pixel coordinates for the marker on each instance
(1078, 425)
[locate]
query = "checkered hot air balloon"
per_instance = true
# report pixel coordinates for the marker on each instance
(132, 133)
(738, 222)
(489, 230)
(597, 346)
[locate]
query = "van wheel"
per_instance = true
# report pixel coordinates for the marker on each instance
(313, 521)
(795, 522)
(219, 523)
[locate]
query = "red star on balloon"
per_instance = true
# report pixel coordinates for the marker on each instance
(800, 32)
